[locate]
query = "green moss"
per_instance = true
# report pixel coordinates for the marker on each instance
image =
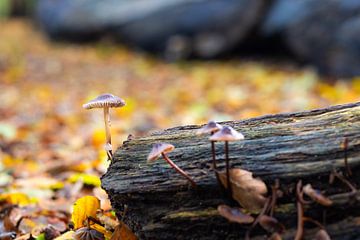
(193, 214)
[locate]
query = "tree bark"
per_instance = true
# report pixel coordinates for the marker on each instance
(305, 145)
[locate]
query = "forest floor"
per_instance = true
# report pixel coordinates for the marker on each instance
(51, 149)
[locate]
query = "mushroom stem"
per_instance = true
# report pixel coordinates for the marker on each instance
(300, 212)
(228, 168)
(108, 134)
(214, 160)
(179, 170)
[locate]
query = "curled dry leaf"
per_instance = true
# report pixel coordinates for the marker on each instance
(123, 232)
(234, 214)
(86, 233)
(247, 191)
(322, 235)
(316, 195)
(84, 208)
(271, 224)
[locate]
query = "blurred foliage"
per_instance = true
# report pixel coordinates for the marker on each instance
(4, 8)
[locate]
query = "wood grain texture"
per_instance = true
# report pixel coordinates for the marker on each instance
(304, 145)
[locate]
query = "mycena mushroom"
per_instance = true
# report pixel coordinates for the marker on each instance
(161, 149)
(211, 127)
(106, 101)
(227, 134)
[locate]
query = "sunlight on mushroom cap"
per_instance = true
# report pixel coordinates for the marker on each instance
(105, 100)
(234, 214)
(158, 149)
(227, 134)
(208, 128)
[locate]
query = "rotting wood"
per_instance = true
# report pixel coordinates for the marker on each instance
(304, 145)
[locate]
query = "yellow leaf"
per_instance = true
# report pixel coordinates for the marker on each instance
(83, 208)
(98, 137)
(20, 199)
(101, 229)
(87, 179)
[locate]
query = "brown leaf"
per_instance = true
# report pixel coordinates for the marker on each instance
(316, 195)
(234, 214)
(123, 232)
(109, 222)
(247, 191)
(86, 233)
(271, 224)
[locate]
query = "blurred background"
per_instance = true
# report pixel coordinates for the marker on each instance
(174, 62)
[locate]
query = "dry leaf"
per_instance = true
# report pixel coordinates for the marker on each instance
(86, 233)
(247, 191)
(123, 232)
(234, 214)
(316, 195)
(109, 222)
(66, 236)
(83, 208)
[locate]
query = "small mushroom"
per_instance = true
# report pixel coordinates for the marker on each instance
(106, 101)
(162, 149)
(227, 134)
(211, 127)
(271, 224)
(87, 233)
(322, 235)
(316, 195)
(234, 214)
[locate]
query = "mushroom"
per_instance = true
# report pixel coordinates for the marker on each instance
(162, 149)
(227, 134)
(106, 101)
(211, 127)
(234, 214)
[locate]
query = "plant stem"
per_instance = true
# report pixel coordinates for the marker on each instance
(179, 170)
(107, 131)
(228, 168)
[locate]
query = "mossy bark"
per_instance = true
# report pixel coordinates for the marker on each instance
(305, 145)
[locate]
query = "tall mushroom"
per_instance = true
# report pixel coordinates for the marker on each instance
(106, 101)
(227, 134)
(161, 149)
(211, 127)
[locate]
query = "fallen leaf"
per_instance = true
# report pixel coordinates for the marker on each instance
(66, 236)
(123, 232)
(84, 208)
(86, 233)
(247, 191)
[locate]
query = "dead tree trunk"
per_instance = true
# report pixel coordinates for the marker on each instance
(305, 145)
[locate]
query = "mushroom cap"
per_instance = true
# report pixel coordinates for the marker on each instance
(158, 149)
(105, 100)
(227, 134)
(208, 128)
(234, 214)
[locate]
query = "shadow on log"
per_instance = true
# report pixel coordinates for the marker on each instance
(305, 145)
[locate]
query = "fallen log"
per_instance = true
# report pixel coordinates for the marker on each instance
(308, 145)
